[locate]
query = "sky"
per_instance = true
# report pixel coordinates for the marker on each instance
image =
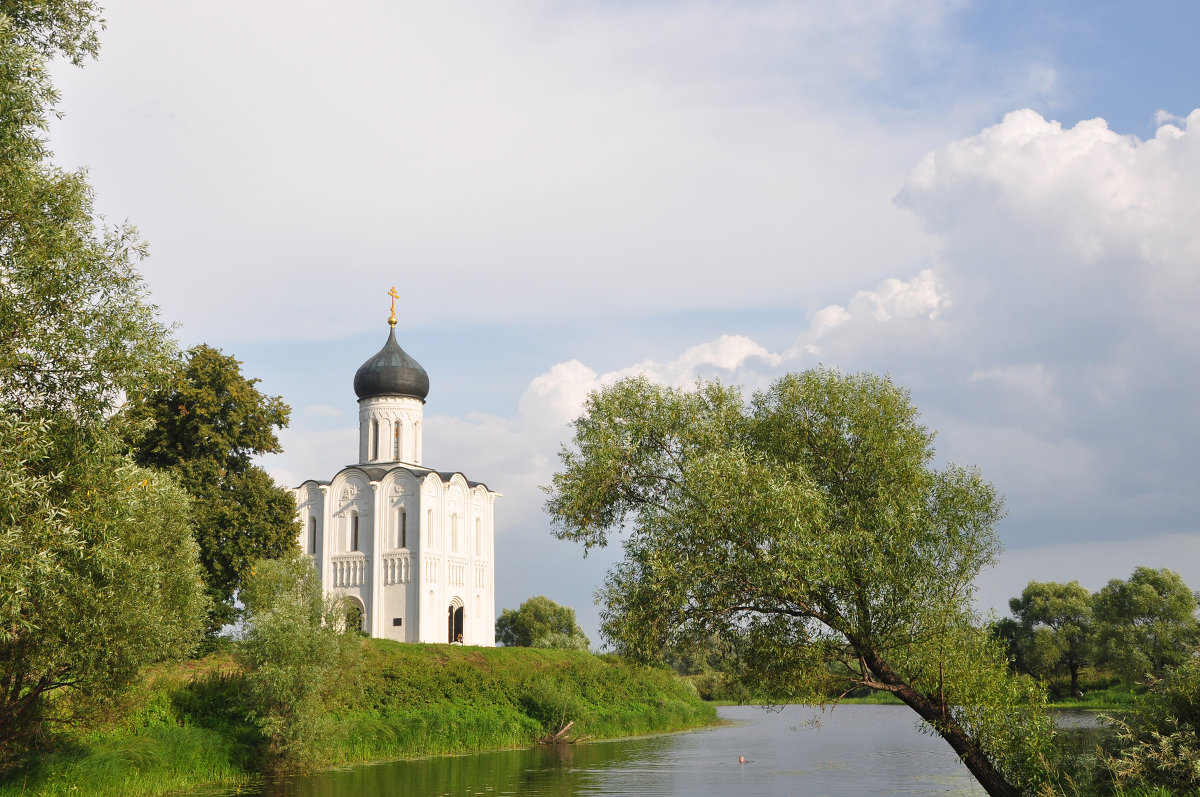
(995, 203)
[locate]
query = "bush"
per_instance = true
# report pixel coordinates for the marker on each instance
(1159, 742)
(297, 655)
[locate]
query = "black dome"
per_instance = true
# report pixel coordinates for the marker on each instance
(391, 372)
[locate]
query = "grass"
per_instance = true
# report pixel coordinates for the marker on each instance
(182, 726)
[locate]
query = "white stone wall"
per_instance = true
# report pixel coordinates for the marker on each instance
(381, 420)
(409, 567)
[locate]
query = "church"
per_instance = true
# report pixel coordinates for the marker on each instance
(412, 547)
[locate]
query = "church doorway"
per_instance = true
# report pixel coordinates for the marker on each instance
(356, 615)
(454, 624)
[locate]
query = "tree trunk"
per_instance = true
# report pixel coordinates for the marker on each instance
(942, 721)
(1074, 680)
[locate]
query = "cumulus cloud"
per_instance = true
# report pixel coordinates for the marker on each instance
(1075, 221)
(921, 298)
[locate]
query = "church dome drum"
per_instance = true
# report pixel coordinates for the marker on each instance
(391, 372)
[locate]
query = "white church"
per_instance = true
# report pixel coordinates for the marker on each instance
(411, 546)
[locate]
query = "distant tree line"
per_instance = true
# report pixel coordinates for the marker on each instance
(1138, 628)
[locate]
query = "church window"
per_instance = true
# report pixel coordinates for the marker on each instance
(354, 531)
(478, 539)
(402, 526)
(374, 439)
(312, 534)
(477, 613)
(396, 441)
(417, 442)
(429, 528)
(454, 533)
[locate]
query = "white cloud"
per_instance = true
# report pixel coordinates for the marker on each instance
(862, 322)
(322, 411)
(1094, 221)
(598, 151)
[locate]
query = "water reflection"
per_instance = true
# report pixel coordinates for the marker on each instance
(851, 750)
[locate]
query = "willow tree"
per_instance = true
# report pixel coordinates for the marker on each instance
(809, 531)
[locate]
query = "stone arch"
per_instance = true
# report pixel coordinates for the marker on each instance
(357, 609)
(456, 621)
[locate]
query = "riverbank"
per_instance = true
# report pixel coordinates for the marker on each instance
(183, 727)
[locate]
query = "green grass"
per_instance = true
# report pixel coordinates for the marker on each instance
(1112, 698)
(182, 727)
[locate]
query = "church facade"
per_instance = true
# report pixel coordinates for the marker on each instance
(411, 546)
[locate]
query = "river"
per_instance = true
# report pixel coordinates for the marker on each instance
(799, 750)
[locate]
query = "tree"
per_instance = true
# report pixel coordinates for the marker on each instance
(806, 529)
(98, 573)
(297, 654)
(1146, 624)
(76, 328)
(205, 424)
(99, 570)
(540, 623)
(1055, 628)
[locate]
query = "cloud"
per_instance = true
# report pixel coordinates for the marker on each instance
(322, 410)
(859, 324)
(1071, 254)
(585, 148)
(1074, 221)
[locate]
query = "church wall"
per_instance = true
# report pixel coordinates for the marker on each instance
(399, 548)
(346, 558)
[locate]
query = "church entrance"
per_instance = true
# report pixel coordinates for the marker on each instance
(454, 624)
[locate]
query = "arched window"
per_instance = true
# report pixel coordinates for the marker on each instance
(454, 534)
(417, 442)
(396, 441)
(312, 534)
(354, 531)
(374, 440)
(402, 529)
(478, 539)
(429, 528)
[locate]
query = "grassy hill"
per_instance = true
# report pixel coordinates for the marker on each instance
(184, 726)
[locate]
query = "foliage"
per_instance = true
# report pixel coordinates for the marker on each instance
(297, 655)
(1054, 629)
(75, 326)
(205, 425)
(541, 623)
(99, 570)
(1160, 739)
(1146, 624)
(806, 528)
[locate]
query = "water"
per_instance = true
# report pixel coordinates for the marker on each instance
(850, 750)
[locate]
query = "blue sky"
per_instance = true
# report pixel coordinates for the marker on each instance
(995, 203)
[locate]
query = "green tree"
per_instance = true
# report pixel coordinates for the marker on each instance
(541, 623)
(100, 575)
(299, 652)
(1055, 629)
(75, 326)
(205, 425)
(806, 529)
(1145, 624)
(98, 572)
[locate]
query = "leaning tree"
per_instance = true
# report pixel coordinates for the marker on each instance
(809, 530)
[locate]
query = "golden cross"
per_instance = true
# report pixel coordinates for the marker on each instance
(395, 296)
